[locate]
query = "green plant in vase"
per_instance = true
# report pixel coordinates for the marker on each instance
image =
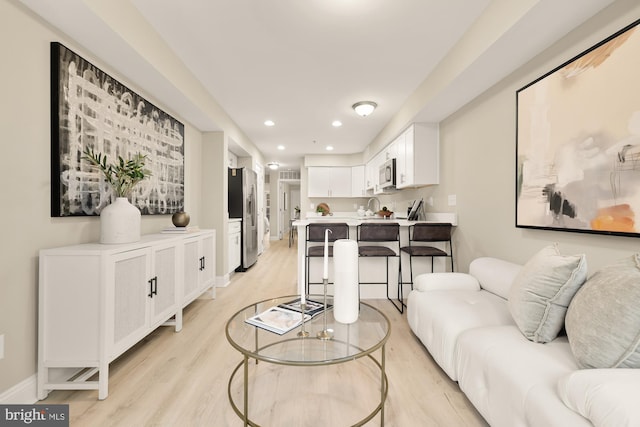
(120, 221)
(123, 174)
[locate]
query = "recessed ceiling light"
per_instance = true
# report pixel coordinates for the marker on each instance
(269, 123)
(336, 123)
(329, 148)
(280, 147)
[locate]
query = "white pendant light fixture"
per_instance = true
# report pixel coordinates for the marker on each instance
(364, 108)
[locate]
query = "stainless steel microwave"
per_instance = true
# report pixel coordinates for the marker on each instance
(387, 176)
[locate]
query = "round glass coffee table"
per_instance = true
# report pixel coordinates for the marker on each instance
(348, 342)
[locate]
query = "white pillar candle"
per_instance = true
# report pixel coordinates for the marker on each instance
(346, 300)
(325, 270)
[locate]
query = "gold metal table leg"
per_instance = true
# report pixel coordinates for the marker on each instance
(246, 390)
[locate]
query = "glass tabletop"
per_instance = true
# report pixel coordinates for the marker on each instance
(349, 341)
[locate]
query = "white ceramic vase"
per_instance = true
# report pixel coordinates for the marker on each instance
(120, 222)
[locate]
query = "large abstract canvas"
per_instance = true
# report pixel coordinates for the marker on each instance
(89, 108)
(578, 142)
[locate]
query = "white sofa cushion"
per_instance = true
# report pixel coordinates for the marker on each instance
(542, 291)
(494, 275)
(438, 317)
(446, 282)
(510, 379)
(603, 319)
(607, 397)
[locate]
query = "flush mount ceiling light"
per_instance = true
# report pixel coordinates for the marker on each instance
(280, 147)
(329, 148)
(269, 123)
(336, 123)
(364, 108)
(273, 165)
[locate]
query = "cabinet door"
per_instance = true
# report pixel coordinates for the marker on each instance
(162, 285)
(207, 268)
(191, 269)
(404, 159)
(371, 175)
(319, 182)
(234, 251)
(340, 182)
(131, 272)
(357, 181)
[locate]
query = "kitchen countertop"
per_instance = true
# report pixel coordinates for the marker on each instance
(353, 219)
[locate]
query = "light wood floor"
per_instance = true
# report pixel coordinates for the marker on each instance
(180, 379)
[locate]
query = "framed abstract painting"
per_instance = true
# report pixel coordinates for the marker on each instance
(578, 142)
(89, 108)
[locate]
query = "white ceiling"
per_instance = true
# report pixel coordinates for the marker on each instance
(303, 63)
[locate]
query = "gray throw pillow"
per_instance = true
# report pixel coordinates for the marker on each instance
(603, 320)
(542, 291)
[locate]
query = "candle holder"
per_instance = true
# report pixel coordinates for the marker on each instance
(325, 334)
(302, 332)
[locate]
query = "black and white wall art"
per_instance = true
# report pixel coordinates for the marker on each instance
(89, 108)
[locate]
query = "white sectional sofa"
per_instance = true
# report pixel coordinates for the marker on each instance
(465, 323)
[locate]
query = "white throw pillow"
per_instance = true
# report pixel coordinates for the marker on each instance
(542, 291)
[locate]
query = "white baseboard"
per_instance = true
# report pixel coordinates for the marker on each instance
(223, 281)
(24, 393)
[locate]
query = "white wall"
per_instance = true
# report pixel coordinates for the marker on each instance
(25, 166)
(478, 163)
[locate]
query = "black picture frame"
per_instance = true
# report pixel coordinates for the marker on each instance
(90, 108)
(578, 142)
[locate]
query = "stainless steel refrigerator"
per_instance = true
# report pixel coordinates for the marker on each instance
(243, 193)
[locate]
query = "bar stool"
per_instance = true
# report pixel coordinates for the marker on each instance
(315, 236)
(381, 233)
(422, 233)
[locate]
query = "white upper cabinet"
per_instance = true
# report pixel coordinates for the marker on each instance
(358, 181)
(329, 181)
(418, 156)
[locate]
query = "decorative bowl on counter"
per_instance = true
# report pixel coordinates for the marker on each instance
(385, 213)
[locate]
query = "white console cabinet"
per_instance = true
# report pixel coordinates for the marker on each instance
(96, 301)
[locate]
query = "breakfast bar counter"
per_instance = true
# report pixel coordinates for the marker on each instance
(374, 267)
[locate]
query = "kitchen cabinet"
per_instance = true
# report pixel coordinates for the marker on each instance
(329, 181)
(358, 181)
(234, 247)
(199, 266)
(96, 301)
(418, 156)
(371, 175)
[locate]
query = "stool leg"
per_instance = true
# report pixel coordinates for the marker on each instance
(411, 270)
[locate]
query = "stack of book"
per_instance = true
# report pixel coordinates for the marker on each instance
(180, 230)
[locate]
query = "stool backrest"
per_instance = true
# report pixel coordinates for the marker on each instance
(379, 232)
(432, 232)
(315, 231)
